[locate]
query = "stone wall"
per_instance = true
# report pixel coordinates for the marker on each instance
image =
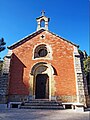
(4, 79)
(67, 98)
(3, 88)
(80, 80)
(18, 98)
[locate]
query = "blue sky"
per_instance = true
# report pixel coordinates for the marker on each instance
(68, 19)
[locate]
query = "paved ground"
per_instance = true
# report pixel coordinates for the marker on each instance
(28, 114)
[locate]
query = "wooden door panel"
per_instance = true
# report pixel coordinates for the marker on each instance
(42, 86)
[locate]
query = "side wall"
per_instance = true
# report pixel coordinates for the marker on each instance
(80, 79)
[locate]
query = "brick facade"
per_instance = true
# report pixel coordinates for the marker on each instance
(43, 52)
(62, 60)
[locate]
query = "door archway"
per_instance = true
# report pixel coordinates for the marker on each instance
(42, 85)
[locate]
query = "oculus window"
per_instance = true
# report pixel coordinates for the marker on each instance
(42, 51)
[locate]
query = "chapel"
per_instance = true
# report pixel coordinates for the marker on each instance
(43, 66)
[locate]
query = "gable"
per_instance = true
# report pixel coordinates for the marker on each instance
(29, 37)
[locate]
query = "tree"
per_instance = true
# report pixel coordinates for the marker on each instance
(2, 44)
(2, 47)
(87, 71)
(87, 65)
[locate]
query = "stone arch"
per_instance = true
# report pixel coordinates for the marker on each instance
(42, 68)
(41, 64)
(42, 51)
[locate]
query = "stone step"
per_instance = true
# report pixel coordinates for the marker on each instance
(43, 101)
(41, 107)
(41, 104)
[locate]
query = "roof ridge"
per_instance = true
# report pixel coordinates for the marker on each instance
(63, 38)
(34, 34)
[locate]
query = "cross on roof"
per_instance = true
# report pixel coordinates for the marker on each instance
(43, 12)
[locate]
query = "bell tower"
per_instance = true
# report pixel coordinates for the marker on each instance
(42, 21)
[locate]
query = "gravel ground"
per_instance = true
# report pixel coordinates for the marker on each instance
(30, 114)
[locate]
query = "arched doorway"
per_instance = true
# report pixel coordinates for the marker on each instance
(42, 86)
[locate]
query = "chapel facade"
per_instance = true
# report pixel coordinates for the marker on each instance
(44, 65)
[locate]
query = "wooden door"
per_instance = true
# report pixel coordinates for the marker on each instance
(42, 86)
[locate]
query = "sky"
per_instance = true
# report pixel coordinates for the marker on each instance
(68, 18)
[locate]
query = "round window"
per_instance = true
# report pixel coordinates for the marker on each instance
(42, 52)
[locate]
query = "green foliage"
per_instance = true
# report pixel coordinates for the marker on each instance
(87, 64)
(87, 72)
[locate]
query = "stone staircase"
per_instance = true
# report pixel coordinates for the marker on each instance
(41, 104)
